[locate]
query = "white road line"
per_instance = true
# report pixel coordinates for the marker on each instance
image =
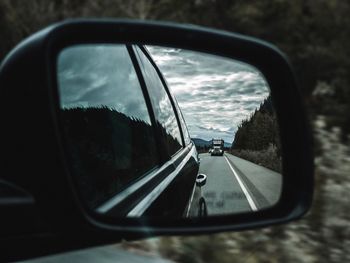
(191, 200)
(246, 193)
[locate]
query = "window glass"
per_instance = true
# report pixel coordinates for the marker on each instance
(107, 127)
(163, 109)
(183, 124)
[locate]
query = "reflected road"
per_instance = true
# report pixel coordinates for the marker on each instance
(235, 185)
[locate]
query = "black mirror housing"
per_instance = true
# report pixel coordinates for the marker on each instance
(34, 154)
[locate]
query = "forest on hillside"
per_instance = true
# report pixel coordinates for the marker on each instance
(257, 138)
(315, 36)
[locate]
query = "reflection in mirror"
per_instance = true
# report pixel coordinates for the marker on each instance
(136, 121)
(230, 117)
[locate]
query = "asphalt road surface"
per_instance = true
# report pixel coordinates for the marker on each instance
(235, 185)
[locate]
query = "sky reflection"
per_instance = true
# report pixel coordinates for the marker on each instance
(214, 93)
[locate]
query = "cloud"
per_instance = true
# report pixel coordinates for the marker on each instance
(214, 93)
(92, 76)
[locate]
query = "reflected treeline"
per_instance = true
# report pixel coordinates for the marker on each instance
(257, 138)
(108, 150)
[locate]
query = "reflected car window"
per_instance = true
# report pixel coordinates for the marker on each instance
(185, 133)
(108, 131)
(163, 109)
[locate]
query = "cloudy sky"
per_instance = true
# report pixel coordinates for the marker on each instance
(215, 94)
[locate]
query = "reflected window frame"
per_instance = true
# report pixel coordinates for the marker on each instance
(141, 89)
(146, 54)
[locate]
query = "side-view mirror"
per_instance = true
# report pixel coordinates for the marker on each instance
(109, 125)
(201, 180)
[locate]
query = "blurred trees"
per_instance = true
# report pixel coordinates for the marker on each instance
(258, 131)
(257, 138)
(314, 34)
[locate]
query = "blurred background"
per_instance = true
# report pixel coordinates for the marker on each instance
(316, 37)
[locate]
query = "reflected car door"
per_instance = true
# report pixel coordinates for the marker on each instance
(125, 146)
(177, 188)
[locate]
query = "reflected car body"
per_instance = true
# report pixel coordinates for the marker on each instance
(125, 163)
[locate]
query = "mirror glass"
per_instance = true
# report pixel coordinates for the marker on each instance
(165, 132)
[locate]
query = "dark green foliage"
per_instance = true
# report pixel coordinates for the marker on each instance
(257, 138)
(259, 131)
